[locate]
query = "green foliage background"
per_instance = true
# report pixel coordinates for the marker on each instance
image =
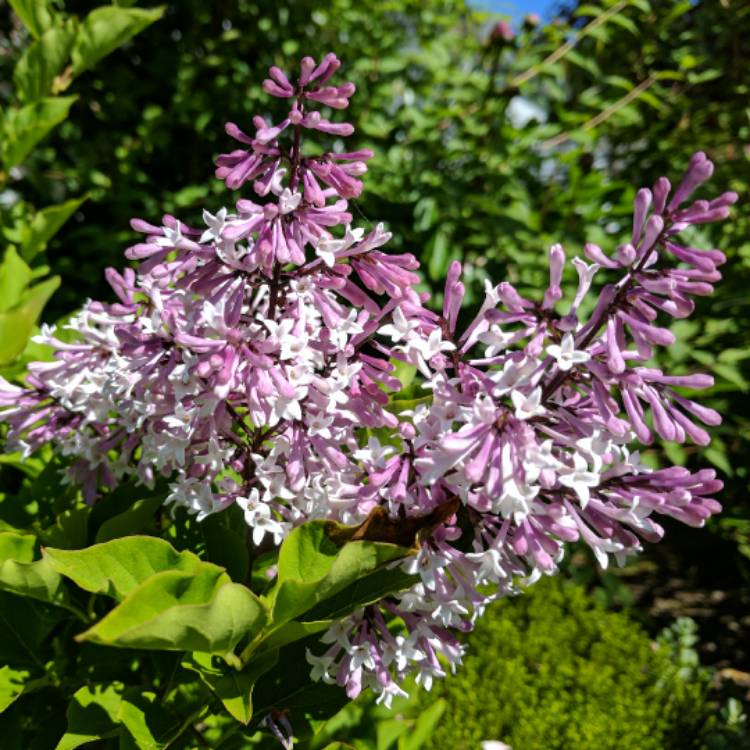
(551, 670)
(623, 91)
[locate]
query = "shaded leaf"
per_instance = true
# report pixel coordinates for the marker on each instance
(92, 715)
(135, 519)
(69, 530)
(24, 624)
(225, 546)
(367, 590)
(233, 687)
(288, 686)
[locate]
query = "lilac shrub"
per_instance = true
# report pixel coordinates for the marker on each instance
(254, 362)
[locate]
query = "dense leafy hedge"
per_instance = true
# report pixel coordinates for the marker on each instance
(551, 669)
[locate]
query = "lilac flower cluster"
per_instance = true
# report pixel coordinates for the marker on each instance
(251, 362)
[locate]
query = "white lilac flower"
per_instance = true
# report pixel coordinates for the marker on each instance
(566, 354)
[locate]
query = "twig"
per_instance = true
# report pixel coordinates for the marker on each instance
(563, 50)
(605, 114)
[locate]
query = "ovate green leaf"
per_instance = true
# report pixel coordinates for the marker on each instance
(11, 685)
(19, 575)
(18, 547)
(117, 567)
(17, 324)
(15, 277)
(36, 15)
(177, 611)
(25, 127)
(46, 223)
(233, 687)
(36, 580)
(313, 568)
(105, 29)
(42, 62)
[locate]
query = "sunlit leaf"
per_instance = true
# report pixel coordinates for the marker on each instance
(105, 29)
(23, 128)
(178, 611)
(44, 60)
(118, 567)
(37, 15)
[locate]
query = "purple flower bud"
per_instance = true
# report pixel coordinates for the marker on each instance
(502, 31)
(654, 228)
(699, 170)
(641, 205)
(594, 253)
(626, 254)
(660, 193)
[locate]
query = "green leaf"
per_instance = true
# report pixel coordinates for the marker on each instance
(135, 519)
(398, 406)
(118, 567)
(225, 546)
(234, 688)
(404, 371)
(18, 547)
(294, 631)
(626, 24)
(15, 277)
(313, 568)
(107, 710)
(11, 685)
(178, 611)
(19, 575)
(36, 15)
(424, 727)
(367, 590)
(24, 626)
(140, 713)
(46, 223)
(439, 255)
(118, 501)
(25, 127)
(42, 62)
(389, 731)
(69, 530)
(105, 29)
(289, 686)
(93, 714)
(17, 324)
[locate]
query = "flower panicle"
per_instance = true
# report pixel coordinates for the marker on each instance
(241, 361)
